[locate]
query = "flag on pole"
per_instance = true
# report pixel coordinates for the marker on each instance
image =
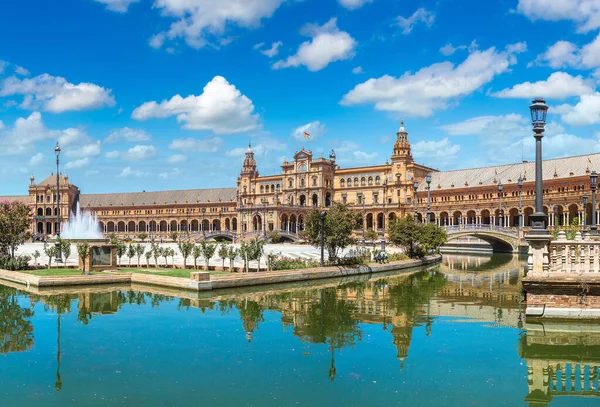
(306, 135)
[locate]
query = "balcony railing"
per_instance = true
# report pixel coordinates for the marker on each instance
(579, 256)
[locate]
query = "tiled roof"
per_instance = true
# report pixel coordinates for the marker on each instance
(474, 177)
(19, 198)
(51, 180)
(190, 196)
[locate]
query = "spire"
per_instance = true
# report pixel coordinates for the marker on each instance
(402, 129)
(402, 145)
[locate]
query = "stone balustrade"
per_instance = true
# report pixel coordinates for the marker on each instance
(581, 255)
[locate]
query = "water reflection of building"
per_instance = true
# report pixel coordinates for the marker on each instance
(99, 303)
(562, 359)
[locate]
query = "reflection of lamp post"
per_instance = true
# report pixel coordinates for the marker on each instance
(323, 214)
(500, 218)
(415, 186)
(428, 180)
(520, 183)
(538, 110)
(58, 383)
(57, 227)
(593, 186)
(584, 200)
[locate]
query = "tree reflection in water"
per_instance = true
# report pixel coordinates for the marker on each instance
(16, 330)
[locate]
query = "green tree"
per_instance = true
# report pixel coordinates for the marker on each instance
(51, 251)
(139, 252)
(130, 252)
(256, 251)
(36, 256)
(148, 255)
(433, 237)
(120, 249)
(65, 248)
(16, 328)
(172, 254)
(174, 236)
(340, 221)
(223, 250)
(244, 253)
(15, 218)
(372, 235)
(164, 252)
(232, 253)
(155, 253)
(406, 233)
(196, 252)
(142, 236)
(186, 249)
(114, 240)
(208, 251)
(274, 237)
(83, 251)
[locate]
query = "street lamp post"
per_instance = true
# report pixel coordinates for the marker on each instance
(265, 218)
(593, 186)
(203, 232)
(363, 225)
(57, 228)
(500, 217)
(520, 183)
(323, 214)
(415, 186)
(584, 200)
(187, 222)
(428, 180)
(538, 110)
(383, 218)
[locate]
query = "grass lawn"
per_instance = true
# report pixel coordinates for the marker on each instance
(54, 272)
(183, 273)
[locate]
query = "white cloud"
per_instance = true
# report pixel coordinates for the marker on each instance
(136, 153)
(487, 126)
(120, 6)
(195, 145)
(584, 13)
(448, 49)
(87, 150)
(439, 153)
(3, 65)
(353, 4)
(420, 16)
(432, 87)
(201, 22)
(177, 158)
(19, 70)
(328, 44)
(221, 108)
(22, 136)
(258, 46)
(358, 70)
(36, 160)
(128, 134)
(171, 174)
(129, 172)
(316, 129)
(54, 94)
(559, 85)
(112, 154)
(273, 51)
(585, 112)
(566, 54)
(361, 156)
(1, 125)
(82, 162)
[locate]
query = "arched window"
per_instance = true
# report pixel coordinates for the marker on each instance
(370, 180)
(272, 188)
(356, 181)
(342, 183)
(291, 183)
(314, 179)
(302, 182)
(378, 179)
(349, 182)
(363, 182)
(277, 187)
(262, 189)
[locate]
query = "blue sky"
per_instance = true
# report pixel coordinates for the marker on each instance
(166, 94)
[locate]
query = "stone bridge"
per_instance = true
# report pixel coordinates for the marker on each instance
(505, 240)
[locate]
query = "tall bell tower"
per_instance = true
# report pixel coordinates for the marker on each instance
(402, 146)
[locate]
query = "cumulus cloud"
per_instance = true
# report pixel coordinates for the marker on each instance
(432, 87)
(221, 108)
(22, 136)
(566, 54)
(128, 134)
(202, 22)
(195, 145)
(559, 85)
(19, 70)
(119, 6)
(353, 4)
(170, 174)
(328, 44)
(420, 16)
(129, 172)
(440, 153)
(485, 125)
(585, 112)
(92, 149)
(177, 158)
(316, 129)
(54, 94)
(358, 70)
(81, 163)
(584, 13)
(139, 152)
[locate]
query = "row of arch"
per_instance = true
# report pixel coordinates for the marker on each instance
(364, 181)
(228, 224)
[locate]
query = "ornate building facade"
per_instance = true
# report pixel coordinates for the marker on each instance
(380, 193)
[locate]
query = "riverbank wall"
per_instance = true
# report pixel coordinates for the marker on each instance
(216, 282)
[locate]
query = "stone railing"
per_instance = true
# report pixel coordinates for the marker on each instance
(580, 255)
(513, 232)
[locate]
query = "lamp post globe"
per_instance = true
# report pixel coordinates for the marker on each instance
(538, 110)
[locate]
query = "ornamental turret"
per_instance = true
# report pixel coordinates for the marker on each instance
(402, 145)
(249, 167)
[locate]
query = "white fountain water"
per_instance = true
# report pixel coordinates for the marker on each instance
(82, 225)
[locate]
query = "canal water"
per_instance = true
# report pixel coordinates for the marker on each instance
(450, 335)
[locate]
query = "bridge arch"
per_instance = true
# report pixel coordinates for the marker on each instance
(502, 240)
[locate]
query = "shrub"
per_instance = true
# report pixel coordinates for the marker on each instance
(16, 263)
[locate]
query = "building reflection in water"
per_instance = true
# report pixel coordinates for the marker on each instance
(562, 359)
